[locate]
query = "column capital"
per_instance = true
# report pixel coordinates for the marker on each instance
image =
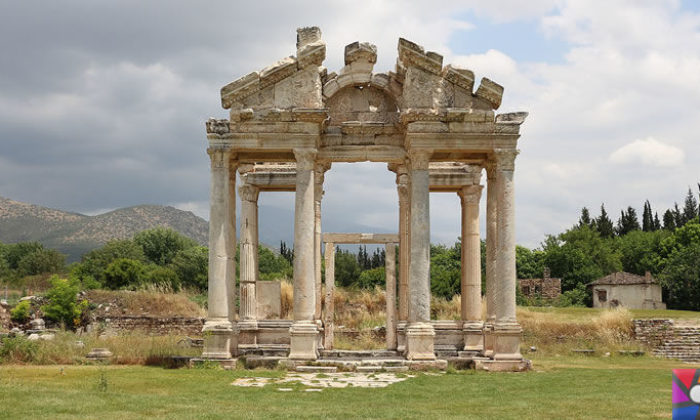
(419, 159)
(245, 168)
(505, 159)
(221, 157)
(470, 194)
(490, 167)
(249, 192)
(305, 158)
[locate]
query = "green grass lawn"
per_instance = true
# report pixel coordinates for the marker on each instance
(557, 388)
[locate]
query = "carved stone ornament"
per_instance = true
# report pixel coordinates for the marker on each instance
(216, 126)
(505, 159)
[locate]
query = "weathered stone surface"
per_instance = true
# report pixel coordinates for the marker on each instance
(269, 299)
(491, 92)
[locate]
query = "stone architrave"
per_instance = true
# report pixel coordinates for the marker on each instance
(390, 270)
(218, 331)
(328, 319)
(472, 324)
(420, 333)
(248, 255)
(507, 331)
(304, 331)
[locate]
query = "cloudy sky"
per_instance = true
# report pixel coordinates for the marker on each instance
(102, 104)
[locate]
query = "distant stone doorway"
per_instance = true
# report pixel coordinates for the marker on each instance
(330, 240)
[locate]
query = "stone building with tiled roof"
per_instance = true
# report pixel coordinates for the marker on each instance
(626, 289)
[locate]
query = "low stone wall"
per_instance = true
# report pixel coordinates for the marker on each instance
(669, 339)
(191, 327)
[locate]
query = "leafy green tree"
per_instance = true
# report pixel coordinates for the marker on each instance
(63, 305)
(41, 261)
(680, 267)
(192, 267)
(603, 224)
(372, 277)
(529, 264)
(94, 263)
(639, 251)
(15, 252)
(445, 270)
(272, 266)
(160, 245)
(124, 273)
(347, 269)
(579, 256)
(161, 276)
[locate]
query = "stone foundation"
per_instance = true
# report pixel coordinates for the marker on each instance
(191, 327)
(669, 339)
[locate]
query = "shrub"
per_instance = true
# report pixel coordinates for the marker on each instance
(160, 245)
(124, 273)
(63, 303)
(20, 313)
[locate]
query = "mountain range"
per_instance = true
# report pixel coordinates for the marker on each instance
(74, 234)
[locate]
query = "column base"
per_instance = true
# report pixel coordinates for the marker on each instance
(506, 341)
(420, 341)
(401, 336)
(473, 337)
(218, 334)
(503, 365)
(303, 340)
(488, 339)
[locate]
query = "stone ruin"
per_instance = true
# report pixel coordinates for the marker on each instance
(287, 125)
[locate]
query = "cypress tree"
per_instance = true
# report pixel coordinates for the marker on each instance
(628, 222)
(585, 219)
(647, 218)
(669, 220)
(657, 222)
(677, 216)
(690, 209)
(604, 224)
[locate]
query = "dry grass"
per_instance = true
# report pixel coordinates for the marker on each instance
(148, 302)
(70, 348)
(287, 296)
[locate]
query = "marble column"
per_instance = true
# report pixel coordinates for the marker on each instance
(404, 240)
(420, 334)
(491, 232)
(249, 256)
(390, 274)
(471, 270)
(507, 331)
(329, 316)
(304, 330)
(319, 175)
(218, 331)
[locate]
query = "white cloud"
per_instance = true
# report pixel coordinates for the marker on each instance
(648, 151)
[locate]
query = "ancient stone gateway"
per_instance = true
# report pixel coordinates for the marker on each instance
(289, 122)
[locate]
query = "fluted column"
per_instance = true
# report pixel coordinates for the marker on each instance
(507, 331)
(404, 239)
(328, 319)
(304, 330)
(218, 331)
(390, 274)
(420, 333)
(249, 255)
(471, 269)
(319, 175)
(491, 238)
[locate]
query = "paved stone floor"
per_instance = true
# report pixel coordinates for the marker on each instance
(318, 381)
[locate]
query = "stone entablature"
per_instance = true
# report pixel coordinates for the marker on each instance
(289, 122)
